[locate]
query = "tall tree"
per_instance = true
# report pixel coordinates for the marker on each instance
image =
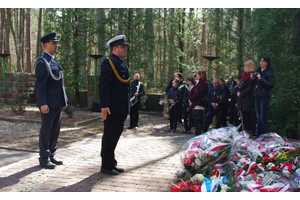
(240, 43)
(150, 45)
(39, 46)
(2, 26)
(21, 39)
(28, 41)
(9, 17)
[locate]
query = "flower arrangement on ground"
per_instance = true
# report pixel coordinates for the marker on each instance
(224, 159)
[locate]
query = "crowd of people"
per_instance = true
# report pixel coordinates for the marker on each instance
(243, 103)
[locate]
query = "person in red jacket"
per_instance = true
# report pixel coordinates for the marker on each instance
(197, 100)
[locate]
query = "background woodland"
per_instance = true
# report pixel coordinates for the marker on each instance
(164, 41)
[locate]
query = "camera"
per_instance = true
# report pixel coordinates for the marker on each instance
(241, 86)
(255, 74)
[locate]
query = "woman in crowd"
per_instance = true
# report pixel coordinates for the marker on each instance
(264, 82)
(197, 100)
(245, 98)
(187, 112)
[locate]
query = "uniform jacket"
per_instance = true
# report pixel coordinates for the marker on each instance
(264, 85)
(175, 94)
(133, 90)
(49, 91)
(112, 92)
(198, 94)
(217, 95)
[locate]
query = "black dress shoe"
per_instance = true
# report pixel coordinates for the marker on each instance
(47, 165)
(110, 172)
(129, 127)
(57, 162)
(120, 170)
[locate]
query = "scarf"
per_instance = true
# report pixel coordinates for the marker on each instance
(246, 76)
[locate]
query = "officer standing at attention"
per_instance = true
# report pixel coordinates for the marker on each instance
(114, 94)
(51, 98)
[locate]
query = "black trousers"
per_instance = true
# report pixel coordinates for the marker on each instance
(49, 133)
(209, 116)
(113, 128)
(134, 115)
(187, 119)
(233, 119)
(174, 117)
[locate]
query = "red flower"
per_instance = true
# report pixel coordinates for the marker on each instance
(178, 187)
(196, 188)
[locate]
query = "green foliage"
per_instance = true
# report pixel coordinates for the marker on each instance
(277, 35)
(18, 108)
(167, 40)
(143, 100)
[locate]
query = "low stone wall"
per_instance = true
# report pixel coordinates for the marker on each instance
(19, 88)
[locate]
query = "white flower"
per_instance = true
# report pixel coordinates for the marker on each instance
(224, 188)
(200, 177)
(198, 162)
(270, 165)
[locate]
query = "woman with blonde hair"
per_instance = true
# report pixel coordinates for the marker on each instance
(245, 98)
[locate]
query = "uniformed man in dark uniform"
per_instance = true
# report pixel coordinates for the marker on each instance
(114, 94)
(51, 98)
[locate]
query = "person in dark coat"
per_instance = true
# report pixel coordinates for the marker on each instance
(224, 107)
(51, 99)
(232, 96)
(264, 82)
(187, 109)
(231, 83)
(174, 95)
(197, 100)
(114, 94)
(185, 98)
(216, 99)
(234, 117)
(246, 99)
(137, 91)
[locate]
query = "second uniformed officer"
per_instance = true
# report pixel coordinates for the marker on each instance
(51, 98)
(114, 94)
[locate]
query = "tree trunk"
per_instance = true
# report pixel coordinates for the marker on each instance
(101, 31)
(39, 46)
(2, 25)
(203, 47)
(28, 41)
(171, 43)
(181, 30)
(240, 43)
(150, 33)
(21, 41)
(9, 17)
(7, 39)
(164, 67)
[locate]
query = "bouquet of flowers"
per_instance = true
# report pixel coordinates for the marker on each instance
(228, 158)
(203, 151)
